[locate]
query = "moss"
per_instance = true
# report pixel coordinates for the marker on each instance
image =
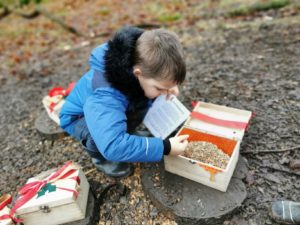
(274, 4)
(104, 11)
(261, 6)
(239, 12)
(169, 17)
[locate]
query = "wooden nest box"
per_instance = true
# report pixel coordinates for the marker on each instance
(220, 125)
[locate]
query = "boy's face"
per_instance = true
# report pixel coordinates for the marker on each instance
(153, 88)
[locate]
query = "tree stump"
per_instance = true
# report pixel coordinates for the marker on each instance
(48, 127)
(189, 202)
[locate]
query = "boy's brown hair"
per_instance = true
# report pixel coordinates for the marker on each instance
(160, 55)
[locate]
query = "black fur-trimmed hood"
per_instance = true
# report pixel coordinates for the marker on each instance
(119, 60)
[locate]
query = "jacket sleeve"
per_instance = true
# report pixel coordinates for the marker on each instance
(105, 116)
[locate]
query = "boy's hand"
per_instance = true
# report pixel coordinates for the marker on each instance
(178, 144)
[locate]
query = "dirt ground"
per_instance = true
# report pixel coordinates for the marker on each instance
(253, 66)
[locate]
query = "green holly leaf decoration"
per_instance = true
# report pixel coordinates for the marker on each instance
(49, 187)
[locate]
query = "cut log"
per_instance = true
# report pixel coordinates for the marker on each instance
(188, 202)
(48, 127)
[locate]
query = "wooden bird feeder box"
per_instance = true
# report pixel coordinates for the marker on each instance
(66, 203)
(220, 125)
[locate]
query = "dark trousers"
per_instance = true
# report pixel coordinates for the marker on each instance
(82, 133)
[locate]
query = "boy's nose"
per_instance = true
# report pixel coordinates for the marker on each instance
(173, 91)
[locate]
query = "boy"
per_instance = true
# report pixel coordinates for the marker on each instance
(112, 98)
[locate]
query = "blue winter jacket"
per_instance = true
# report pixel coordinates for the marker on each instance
(104, 95)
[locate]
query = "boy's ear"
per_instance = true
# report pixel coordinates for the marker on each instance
(137, 71)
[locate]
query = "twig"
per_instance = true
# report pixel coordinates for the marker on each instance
(271, 151)
(30, 15)
(36, 12)
(148, 26)
(267, 178)
(40, 11)
(5, 12)
(284, 42)
(59, 21)
(8, 10)
(281, 170)
(90, 171)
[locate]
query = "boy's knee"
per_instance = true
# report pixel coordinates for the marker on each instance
(90, 144)
(90, 147)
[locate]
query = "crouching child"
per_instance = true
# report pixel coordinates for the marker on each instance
(109, 101)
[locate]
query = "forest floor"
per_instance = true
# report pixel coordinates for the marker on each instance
(249, 62)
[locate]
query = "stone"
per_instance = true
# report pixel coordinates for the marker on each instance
(189, 202)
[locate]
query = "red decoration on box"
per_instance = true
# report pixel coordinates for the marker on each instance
(60, 91)
(219, 122)
(29, 190)
(4, 201)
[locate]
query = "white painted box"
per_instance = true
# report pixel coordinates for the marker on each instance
(55, 99)
(4, 210)
(52, 207)
(53, 106)
(219, 125)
